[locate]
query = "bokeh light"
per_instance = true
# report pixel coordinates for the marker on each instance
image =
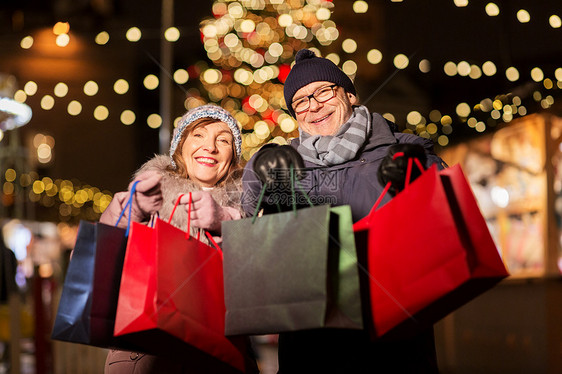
(61, 89)
(133, 34)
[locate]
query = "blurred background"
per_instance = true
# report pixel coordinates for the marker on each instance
(91, 89)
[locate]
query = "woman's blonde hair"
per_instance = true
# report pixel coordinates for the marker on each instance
(181, 167)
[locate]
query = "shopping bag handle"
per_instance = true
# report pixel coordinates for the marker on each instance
(129, 205)
(294, 183)
(210, 237)
(188, 213)
(406, 182)
(188, 234)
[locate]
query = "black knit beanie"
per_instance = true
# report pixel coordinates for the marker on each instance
(309, 68)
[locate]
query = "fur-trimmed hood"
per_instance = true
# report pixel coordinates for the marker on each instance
(172, 185)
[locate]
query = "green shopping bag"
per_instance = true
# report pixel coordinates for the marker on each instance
(291, 271)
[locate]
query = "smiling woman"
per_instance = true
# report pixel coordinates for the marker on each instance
(204, 155)
(207, 152)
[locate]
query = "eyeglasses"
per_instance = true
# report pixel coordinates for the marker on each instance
(321, 95)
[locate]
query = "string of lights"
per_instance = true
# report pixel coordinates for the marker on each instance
(250, 45)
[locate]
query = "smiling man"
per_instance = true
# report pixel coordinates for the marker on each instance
(337, 156)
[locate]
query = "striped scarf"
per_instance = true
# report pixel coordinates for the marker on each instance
(334, 150)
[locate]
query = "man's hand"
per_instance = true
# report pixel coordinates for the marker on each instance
(272, 165)
(393, 169)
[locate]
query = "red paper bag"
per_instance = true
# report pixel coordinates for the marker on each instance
(429, 252)
(171, 294)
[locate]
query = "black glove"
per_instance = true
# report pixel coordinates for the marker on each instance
(272, 164)
(394, 169)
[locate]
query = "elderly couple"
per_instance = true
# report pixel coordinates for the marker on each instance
(339, 138)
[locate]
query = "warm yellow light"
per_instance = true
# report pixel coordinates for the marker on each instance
(133, 34)
(555, 21)
(558, 74)
(461, 3)
(231, 40)
(101, 113)
(334, 57)
(463, 110)
(512, 74)
(154, 121)
(523, 16)
(235, 10)
(389, 116)
(435, 115)
(26, 42)
(360, 6)
(480, 126)
(91, 88)
(537, 75)
(121, 86)
(285, 20)
(30, 88)
(47, 102)
(20, 96)
(44, 154)
(323, 14)
(38, 187)
(489, 68)
(443, 140)
(10, 175)
(349, 45)
(247, 26)
(349, 67)
(492, 9)
(414, 117)
(150, 82)
(74, 108)
(61, 89)
(62, 40)
(374, 56)
(261, 129)
(450, 68)
(102, 38)
(446, 120)
(275, 49)
(463, 68)
(212, 76)
(172, 34)
(401, 61)
(127, 117)
(475, 72)
(61, 28)
(209, 31)
(424, 66)
(243, 76)
(288, 124)
(181, 76)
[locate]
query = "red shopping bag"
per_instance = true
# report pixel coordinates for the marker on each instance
(429, 252)
(171, 299)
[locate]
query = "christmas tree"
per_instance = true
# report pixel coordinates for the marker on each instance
(251, 44)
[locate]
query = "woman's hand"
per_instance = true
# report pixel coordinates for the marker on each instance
(206, 213)
(147, 201)
(148, 196)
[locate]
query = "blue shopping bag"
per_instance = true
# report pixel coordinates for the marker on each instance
(86, 311)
